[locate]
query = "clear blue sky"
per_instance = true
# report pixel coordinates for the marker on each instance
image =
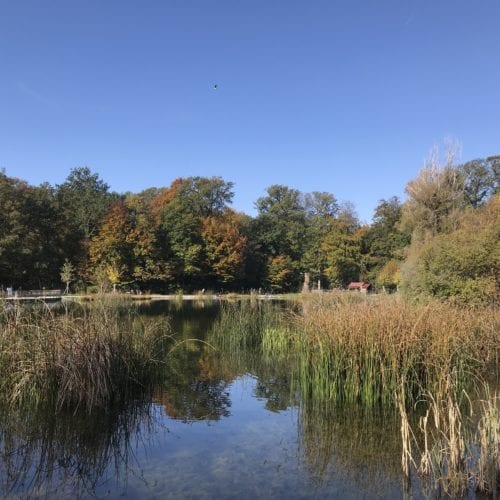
(340, 96)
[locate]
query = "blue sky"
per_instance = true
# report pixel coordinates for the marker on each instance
(340, 96)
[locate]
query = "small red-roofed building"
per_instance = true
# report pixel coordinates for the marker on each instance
(359, 286)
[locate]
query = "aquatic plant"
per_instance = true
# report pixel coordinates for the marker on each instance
(347, 348)
(456, 447)
(86, 356)
(364, 350)
(241, 324)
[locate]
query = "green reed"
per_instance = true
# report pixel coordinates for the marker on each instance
(363, 351)
(241, 325)
(348, 350)
(85, 356)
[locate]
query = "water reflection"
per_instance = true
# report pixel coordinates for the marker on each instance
(362, 446)
(65, 454)
(245, 422)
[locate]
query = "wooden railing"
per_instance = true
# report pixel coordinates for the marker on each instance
(31, 293)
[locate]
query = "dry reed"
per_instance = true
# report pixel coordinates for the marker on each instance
(452, 456)
(87, 356)
(364, 350)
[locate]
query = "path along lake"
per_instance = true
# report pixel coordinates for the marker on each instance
(226, 424)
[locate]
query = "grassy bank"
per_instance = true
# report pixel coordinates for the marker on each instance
(85, 356)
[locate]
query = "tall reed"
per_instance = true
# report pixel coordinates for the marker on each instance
(241, 326)
(456, 447)
(364, 350)
(87, 356)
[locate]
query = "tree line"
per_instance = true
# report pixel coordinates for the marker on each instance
(441, 241)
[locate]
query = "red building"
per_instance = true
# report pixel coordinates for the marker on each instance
(359, 286)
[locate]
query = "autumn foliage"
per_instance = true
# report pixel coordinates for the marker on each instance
(442, 241)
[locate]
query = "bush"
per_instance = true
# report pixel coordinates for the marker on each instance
(461, 266)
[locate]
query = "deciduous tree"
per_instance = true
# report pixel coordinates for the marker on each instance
(224, 248)
(341, 247)
(86, 198)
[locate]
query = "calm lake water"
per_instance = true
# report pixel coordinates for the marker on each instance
(224, 426)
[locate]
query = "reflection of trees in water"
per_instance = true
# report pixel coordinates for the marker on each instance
(195, 386)
(60, 453)
(274, 385)
(47, 454)
(237, 339)
(199, 400)
(187, 319)
(361, 445)
(198, 373)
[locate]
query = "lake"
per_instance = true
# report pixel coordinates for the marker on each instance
(224, 425)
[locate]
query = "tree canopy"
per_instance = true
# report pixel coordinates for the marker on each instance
(441, 241)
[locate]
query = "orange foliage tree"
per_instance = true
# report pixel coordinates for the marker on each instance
(224, 247)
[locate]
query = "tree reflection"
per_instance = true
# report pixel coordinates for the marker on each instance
(196, 383)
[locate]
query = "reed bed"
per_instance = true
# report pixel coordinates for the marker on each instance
(243, 326)
(372, 353)
(363, 351)
(83, 357)
(424, 357)
(456, 446)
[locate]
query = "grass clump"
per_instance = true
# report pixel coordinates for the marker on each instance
(241, 324)
(364, 350)
(456, 446)
(85, 357)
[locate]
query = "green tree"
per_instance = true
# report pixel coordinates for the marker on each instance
(182, 215)
(85, 198)
(321, 209)
(462, 265)
(281, 221)
(280, 228)
(341, 247)
(67, 274)
(385, 241)
(205, 196)
(320, 205)
(31, 234)
(481, 179)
